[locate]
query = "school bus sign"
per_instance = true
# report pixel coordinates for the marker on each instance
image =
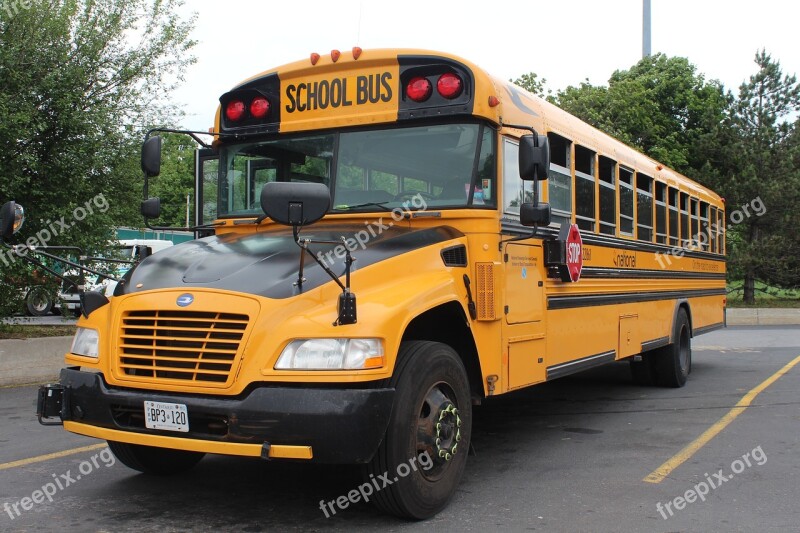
(327, 98)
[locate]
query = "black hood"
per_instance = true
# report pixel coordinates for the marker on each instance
(266, 264)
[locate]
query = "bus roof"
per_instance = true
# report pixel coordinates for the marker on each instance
(364, 87)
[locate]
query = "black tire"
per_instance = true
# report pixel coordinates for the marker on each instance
(156, 461)
(644, 372)
(38, 302)
(674, 362)
(432, 387)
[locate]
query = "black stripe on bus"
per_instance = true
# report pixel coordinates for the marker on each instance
(655, 343)
(579, 365)
(706, 329)
(514, 227)
(570, 302)
(605, 272)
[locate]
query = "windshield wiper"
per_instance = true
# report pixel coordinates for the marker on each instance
(345, 207)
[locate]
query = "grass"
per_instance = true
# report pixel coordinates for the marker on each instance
(27, 331)
(766, 296)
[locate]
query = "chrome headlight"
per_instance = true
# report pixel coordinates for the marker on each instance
(86, 343)
(331, 354)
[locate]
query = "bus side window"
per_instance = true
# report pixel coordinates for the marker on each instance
(713, 230)
(559, 182)
(661, 213)
(608, 196)
(705, 228)
(626, 201)
(673, 216)
(584, 188)
(644, 208)
(684, 206)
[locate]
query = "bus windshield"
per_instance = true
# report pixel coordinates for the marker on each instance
(449, 166)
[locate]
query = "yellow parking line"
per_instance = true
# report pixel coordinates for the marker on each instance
(658, 475)
(47, 457)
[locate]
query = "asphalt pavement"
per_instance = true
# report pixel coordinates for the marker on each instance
(576, 454)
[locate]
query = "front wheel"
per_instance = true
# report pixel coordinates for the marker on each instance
(419, 464)
(151, 460)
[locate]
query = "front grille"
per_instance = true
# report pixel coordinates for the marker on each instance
(188, 346)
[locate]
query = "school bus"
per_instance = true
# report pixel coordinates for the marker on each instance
(391, 237)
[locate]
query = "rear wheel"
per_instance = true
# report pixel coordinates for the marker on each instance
(151, 460)
(673, 363)
(419, 464)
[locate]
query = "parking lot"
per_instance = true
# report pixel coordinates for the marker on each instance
(591, 452)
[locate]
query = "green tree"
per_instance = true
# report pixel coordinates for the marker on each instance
(176, 180)
(81, 81)
(660, 106)
(531, 83)
(766, 153)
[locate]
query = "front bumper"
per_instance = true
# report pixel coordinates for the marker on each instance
(334, 425)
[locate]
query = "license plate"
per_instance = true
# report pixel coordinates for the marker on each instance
(169, 416)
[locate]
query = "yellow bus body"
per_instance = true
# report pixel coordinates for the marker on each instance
(529, 326)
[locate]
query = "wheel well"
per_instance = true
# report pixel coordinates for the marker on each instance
(447, 324)
(683, 304)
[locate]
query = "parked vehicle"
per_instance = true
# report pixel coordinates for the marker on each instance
(118, 264)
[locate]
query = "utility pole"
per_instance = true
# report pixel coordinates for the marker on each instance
(645, 28)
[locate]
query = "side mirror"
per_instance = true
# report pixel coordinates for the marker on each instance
(151, 208)
(534, 214)
(295, 204)
(151, 157)
(12, 216)
(534, 157)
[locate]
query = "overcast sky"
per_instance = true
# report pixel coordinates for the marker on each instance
(563, 41)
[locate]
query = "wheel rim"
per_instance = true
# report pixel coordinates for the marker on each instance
(438, 429)
(38, 301)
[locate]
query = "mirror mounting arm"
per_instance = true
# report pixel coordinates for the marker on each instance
(347, 300)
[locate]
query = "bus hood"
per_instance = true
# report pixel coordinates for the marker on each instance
(267, 263)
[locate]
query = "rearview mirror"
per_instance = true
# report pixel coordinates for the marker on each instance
(295, 204)
(12, 216)
(151, 157)
(534, 214)
(151, 208)
(534, 157)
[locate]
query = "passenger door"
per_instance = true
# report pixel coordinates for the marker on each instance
(524, 325)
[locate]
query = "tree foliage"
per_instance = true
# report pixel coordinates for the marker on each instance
(531, 83)
(660, 106)
(176, 180)
(766, 156)
(81, 81)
